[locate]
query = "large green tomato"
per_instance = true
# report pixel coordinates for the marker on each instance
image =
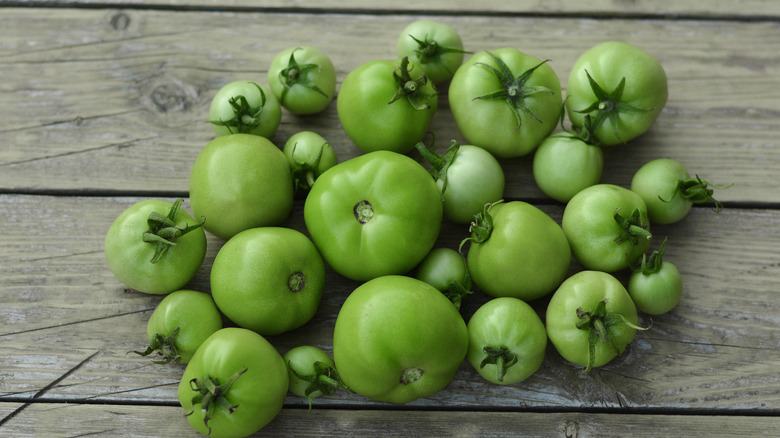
(398, 339)
(268, 279)
(377, 214)
(386, 105)
(234, 385)
(303, 79)
(622, 87)
(507, 340)
(244, 107)
(435, 46)
(155, 247)
(591, 319)
(505, 101)
(607, 227)
(241, 181)
(518, 251)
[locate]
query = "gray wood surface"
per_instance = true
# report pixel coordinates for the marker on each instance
(101, 107)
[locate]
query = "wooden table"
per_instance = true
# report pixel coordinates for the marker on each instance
(103, 104)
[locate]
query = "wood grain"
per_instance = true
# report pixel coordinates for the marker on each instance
(96, 108)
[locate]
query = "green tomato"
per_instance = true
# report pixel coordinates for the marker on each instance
(241, 181)
(376, 214)
(505, 101)
(268, 279)
(312, 372)
(517, 251)
(607, 227)
(669, 191)
(244, 107)
(234, 385)
(622, 87)
(435, 46)
(445, 269)
(398, 339)
(155, 247)
(468, 177)
(303, 79)
(180, 323)
(591, 319)
(565, 165)
(309, 156)
(656, 285)
(507, 341)
(386, 105)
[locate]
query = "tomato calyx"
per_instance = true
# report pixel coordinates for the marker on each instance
(304, 173)
(501, 357)
(458, 293)
(410, 375)
(411, 89)
(163, 232)
(298, 74)
(609, 105)
(165, 346)
(211, 395)
(514, 90)
(439, 163)
(245, 117)
(481, 227)
(325, 380)
(697, 191)
(632, 227)
(428, 50)
(600, 326)
(653, 264)
(363, 211)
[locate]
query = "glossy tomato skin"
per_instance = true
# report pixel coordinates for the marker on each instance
(435, 46)
(268, 279)
(191, 314)
(371, 117)
(584, 290)
(305, 84)
(526, 256)
(129, 257)
(241, 181)
(656, 183)
(258, 393)
(657, 292)
(510, 329)
(474, 178)
(645, 89)
(376, 214)
(565, 165)
(398, 339)
(597, 240)
(260, 113)
(492, 123)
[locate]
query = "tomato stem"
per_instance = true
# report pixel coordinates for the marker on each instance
(502, 357)
(245, 117)
(325, 379)
(165, 346)
(411, 89)
(697, 191)
(440, 164)
(600, 326)
(429, 51)
(163, 232)
(211, 395)
(298, 74)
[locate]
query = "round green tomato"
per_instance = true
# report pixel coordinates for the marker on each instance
(376, 214)
(591, 307)
(622, 87)
(398, 339)
(607, 227)
(303, 79)
(309, 156)
(505, 101)
(521, 253)
(180, 323)
(658, 292)
(268, 279)
(435, 46)
(241, 181)
(468, 178)
(312, 372)
(563, 166)
(244, 107)
(155, 247)
(386, 105)
(234, 385)
(507, 340)
(445, 269)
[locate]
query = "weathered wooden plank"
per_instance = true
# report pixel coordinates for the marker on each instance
(109, 100)
(116, 421)
(712, 8)
(68, 325)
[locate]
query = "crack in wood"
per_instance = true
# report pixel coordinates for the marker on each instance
(82, 151)
(75, 322)
(77, 120)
